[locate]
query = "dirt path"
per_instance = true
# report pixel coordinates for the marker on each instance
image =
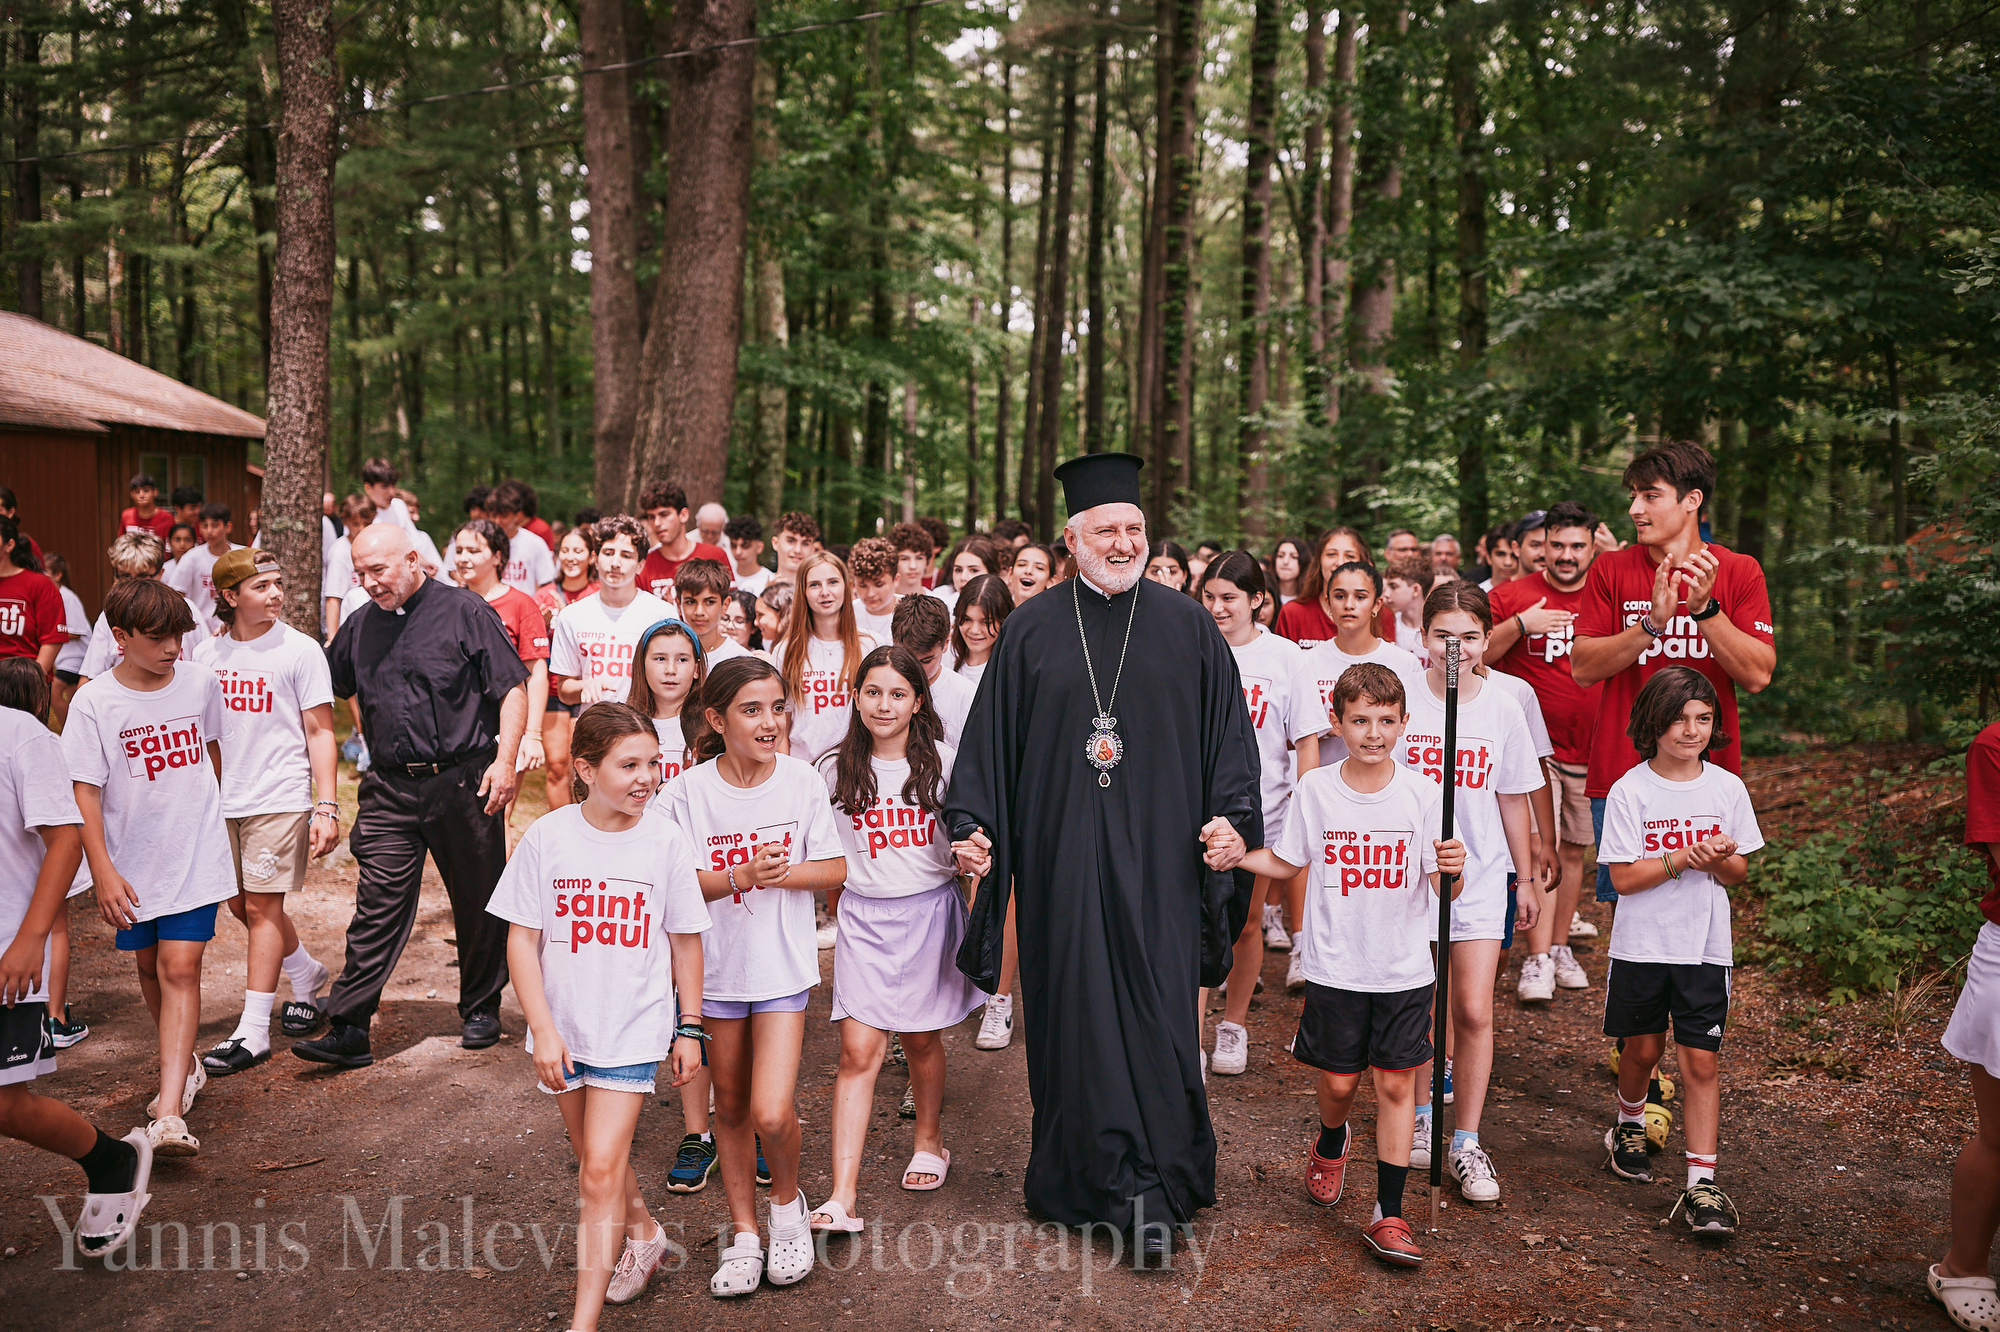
(1843, 1185)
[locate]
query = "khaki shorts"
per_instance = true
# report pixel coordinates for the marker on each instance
(271, 851)
(1572, 806)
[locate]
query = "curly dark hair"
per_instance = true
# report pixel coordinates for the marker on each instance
(853, 772)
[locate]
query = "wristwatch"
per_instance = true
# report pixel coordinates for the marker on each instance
(1708, 612)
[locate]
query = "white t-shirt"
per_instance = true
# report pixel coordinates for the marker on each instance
(1523, 695)
(77, 625)
(339, 574)
(162, 808)
(673, 748)
(35, 792)
(103, 652)
(972, 674)
(820, 712)
(875, 626)
(1369, 916)
(267, 684)
(1495, 758)
(721, 652)
(1683, 921)
(951, 695)
(753, 583)
(1267, 664)
(1410, 638)
(763, 945)
(194, 575)
(529, 563)
(894, 849)
(605, 903)
(946, 593)
(1319, 670)
(593, 641)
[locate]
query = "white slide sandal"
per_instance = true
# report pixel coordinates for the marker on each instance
(1972, 1302)
(839, 1221)
(742, 1267)
(923, 1163)
(109, 1219)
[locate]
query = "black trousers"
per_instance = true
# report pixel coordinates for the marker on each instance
(401, 818)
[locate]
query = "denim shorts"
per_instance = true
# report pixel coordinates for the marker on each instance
(625, 1077)
(1605, 892)
(196, 926)
(721, 1009)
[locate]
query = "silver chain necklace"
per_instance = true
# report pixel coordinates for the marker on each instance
(1104, 749)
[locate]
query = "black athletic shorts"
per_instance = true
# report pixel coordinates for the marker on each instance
(23, 1052)
(1639, 997)
(1346, 1031)
(67, 677)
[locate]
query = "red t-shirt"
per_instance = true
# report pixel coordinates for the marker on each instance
(525, 626)
(161, 523)
(31, 614)
(656, 575)
(1543, 661)
(1982, 809)
(1618, 591)
(1305, 621)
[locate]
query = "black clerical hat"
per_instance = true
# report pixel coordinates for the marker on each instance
(1100, 478)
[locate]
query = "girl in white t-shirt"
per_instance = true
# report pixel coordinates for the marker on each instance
(1232, 588)
(590, 648)
(982, 608)
(823, 648)
(1495, 768)
(895, 966)
(602, 989)
(765, 841)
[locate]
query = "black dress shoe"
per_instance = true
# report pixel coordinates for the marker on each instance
(345, 1045)
(300, 1017)
(481, 1030)
(1156, 1245)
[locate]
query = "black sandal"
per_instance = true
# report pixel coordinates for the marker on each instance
(232, 1056)
(300, 1017)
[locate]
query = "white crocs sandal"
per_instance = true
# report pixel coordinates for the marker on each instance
(742, 1267)
(170, 1137)
(109, 1219)
(791, 1251)
(1972, 1302)
(195, 1082)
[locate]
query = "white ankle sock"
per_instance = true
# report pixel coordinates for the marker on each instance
(301, 970)
(789, 1219)
(1699, 1168)
(254, 1030)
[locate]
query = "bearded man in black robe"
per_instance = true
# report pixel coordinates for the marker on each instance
(1109, 773)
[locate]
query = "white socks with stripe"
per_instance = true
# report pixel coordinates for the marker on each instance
(1631, 1112)
(1699, 1168)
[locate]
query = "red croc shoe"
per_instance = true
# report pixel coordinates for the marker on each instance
(1325, 1179)
(1389, 1239)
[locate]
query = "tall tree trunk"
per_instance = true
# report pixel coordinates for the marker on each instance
(1312, 228)
(1146, 385)
(1058, 300)
(688, 366)
(1003, 403)
(876, 446)
(1468, 45)
(1381, 173)
(1093, 260)
(1336, 262)
(1172, 452)
(1025, 489)
(611, 188)
(28, 173)
(301, 302)
(1253, 357)
(770, 327)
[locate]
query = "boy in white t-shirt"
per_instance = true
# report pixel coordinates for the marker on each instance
(923, 625)
(279, 792)
(530, 564)
(1405, 584)
(592, 640)
(140, 745)
(194, 573)
(700, 589)
(1364, 830)
(872, 563)
(40, 849)
(746, 549)
(1677, 834)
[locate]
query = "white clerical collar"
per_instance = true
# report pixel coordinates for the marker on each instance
(1092, 586)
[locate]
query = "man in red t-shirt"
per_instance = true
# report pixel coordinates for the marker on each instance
(145, 515)
(1669, 599)
(1533, 630)
(665, 507)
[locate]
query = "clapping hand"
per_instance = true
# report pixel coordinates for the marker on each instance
(1225, 844)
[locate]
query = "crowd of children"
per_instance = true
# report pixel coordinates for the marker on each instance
(724, 742)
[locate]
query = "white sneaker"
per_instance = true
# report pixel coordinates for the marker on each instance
(1579, 928)
(1473, 1169)
(996, 1029)
(1204, 1068)
(1569, 973)
(1538, 979)
(1295, 976)
(635, 1267)
(170, 1137)
(1275, 937)
(195, 1082)
(1232, 1049)
(1420, 1144)
(827, 934)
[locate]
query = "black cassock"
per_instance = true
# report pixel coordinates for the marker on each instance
(1110, 885)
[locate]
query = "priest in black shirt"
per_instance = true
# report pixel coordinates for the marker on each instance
(443, 703)
(1107, 743)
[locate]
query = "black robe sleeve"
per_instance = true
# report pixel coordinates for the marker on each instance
(1232, 787)
(983, 781)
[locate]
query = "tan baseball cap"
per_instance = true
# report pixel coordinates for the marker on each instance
(240, 566)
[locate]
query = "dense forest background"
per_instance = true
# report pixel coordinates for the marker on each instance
(1427, 265)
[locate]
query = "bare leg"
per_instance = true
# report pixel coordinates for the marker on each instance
(1010, 953)
(1473, 965)
(1335, 1093)
(555, 753)
(267, 924)
(729, 1066)
(774, 1079)
(601, 1124)
(1395, 1114)
(861, 1051)
(925, 1051)
(1702, 1104)
(1975, 1185)
(177, 985)
(694, 1102)
(59, 964)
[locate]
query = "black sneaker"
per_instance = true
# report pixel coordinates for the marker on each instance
(1710, 1214)
(1627, 1145)
(481, 1030)
(692, 1164)
(62, 1035)
(345, 1045)
(763, 1171)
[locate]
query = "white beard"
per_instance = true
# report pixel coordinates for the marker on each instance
(1110, 577)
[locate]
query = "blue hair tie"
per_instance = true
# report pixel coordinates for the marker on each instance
(669, 625)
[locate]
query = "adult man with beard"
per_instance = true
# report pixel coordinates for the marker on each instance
(1534, 619)
(1094, 777)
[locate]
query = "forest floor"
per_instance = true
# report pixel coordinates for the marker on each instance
(435, 1189)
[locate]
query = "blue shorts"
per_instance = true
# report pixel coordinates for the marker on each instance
(1605, 892)
(626, 1077)
(721, 1009)
(1513, 905)
(196, 926)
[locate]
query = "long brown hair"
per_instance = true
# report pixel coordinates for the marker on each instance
(854, 773)
(718, 691)
(598, 728)
(1312, 583)
(989, 593)
(799, 633)
(640, 696)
